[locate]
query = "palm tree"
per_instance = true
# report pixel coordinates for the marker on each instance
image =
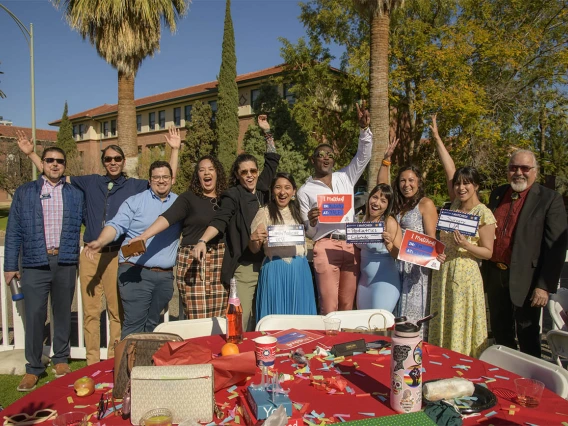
(379, 13)
(124, 33)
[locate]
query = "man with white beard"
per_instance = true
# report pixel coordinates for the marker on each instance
(528, 255)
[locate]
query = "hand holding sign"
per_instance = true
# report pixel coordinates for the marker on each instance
(460, 240)
(313, 216)
(260, 234)
(333, 208)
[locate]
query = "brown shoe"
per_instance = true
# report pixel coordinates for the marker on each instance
(28, 383)
(61, 369)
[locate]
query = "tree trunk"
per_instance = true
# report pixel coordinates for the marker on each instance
(127, 134)
(379, 93)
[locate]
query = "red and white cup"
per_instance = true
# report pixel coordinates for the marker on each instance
(265, 350)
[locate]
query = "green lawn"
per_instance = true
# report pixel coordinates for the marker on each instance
(4, 217)
(9, 383)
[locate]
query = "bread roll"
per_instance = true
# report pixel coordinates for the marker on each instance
(447, 389)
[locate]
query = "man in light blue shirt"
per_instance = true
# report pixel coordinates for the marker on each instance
(145, 282)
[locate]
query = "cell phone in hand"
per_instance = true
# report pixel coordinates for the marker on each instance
(138, 247)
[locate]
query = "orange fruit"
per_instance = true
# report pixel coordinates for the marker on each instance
(229, 349)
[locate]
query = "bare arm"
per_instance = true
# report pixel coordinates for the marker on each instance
(393, 236)
(429, 216)
(159, 225)
(384, 171)
(174, 141)
(445, 158)
(484, 249)
(107, 236)
(200, 248)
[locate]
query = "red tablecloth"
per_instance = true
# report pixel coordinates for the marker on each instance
(368, 374)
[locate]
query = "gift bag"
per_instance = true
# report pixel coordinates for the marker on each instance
(185, 390)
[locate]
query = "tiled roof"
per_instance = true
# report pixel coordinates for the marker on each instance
(174, 94)
(41, 134)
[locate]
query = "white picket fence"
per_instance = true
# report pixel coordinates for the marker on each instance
(77, 352)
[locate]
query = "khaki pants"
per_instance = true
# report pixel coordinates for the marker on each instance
(247, 281)
(99, 277)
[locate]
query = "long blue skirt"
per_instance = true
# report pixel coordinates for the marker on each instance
(285, 288)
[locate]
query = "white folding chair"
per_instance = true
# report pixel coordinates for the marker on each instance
(555, 378)
(283, 322)
(195, 327)
(558, 342)
(364, 318)
(557, 303)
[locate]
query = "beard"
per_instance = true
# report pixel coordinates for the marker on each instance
(520, 185)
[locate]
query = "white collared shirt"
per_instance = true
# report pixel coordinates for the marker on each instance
(342, 182)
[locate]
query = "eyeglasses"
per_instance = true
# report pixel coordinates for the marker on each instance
(525, 169)
(23, 419)
(50, 160)
(244, 173)
(159, 178)
(103, 406)
(323, 154)
(117, 159)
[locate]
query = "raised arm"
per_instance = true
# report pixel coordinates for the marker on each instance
(159, 225)
(445, 158)
(174, 141)
(384, 171)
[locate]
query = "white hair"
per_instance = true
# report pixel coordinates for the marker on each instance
(528, 152)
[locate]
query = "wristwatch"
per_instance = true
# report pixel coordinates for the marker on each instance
(202, 241)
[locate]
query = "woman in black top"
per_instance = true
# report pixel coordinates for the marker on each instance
(201, 291)
(239, 205)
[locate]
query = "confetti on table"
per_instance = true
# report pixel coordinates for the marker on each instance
(562, 414)
(491, 414)
(382, 398)
(81, 406)
(232, 389)
(237, 420)
(340, 418)
(373, 352)
(109, 371)
(70, 400)
(385, 352)
(233, 396)
(493, 369)
(211, 424)
(359, 373)
(332, 391)
(446, 356)
(297, 406)
(531, 424)
(342, 415)
(96, 373)
(367, 414)
(226, 420)
(462, 367)
(363, 394)
(466, 360)
(319, 377)
(377, 365)
(502, 377)
(435, 362)
(459, 373)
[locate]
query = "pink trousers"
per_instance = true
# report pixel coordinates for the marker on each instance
(336, 268)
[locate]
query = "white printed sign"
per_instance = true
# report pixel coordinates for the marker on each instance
(450, 220)
(286, 235)
(365, 232)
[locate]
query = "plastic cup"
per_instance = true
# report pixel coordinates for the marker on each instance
(332, 326)
(529, 392)
(157, 417)
(265, 350)
(71, 418)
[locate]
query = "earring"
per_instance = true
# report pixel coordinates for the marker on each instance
(293, 198)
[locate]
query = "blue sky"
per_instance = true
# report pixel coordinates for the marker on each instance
(69, 69)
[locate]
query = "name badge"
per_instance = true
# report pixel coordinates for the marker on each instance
(450, 220)
(45, 196)
(365, 232)
(286, 235)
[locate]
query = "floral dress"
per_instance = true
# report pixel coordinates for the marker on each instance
(457, 294)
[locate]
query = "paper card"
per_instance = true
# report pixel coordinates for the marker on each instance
(291, 338)
(334, 207)
(450, 220)
(420, 249)
(365, 232)
(286, 235)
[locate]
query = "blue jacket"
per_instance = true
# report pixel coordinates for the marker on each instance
(25, 227)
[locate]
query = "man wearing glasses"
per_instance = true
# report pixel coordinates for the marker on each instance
(145, 280)
(528, 255)
(336, 268)
(45, 224)
(103, 196)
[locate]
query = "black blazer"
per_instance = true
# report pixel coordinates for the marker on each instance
(238, 207)
(539, 242)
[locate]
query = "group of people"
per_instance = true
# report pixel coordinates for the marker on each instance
(219, 228)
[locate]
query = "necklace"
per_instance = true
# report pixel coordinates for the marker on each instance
(258, 199)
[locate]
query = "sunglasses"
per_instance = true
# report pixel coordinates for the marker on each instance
(23, 419)
(323, 154)
(525, 169)
(50, 160)
(244, 173)
(117, 159)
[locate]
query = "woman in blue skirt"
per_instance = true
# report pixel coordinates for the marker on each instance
(285, 282)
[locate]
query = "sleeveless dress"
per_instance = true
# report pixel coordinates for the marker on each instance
(379, 281)
(285, 283)
(414, 302)
(457, 294)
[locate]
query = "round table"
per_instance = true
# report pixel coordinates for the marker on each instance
(368, 375)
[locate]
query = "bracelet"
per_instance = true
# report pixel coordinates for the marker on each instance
(202, 241)
(387, 163)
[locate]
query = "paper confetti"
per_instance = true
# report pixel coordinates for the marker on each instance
(493, 369)
(435, 362)
(446, 356)
(502, 377)
(377, 365)
(491, 414)
(96, 373)
(367, 414)
(466, 360)
(70, 400)
(232, 389)
(359, 373)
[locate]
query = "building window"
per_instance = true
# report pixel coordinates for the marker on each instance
(253, 96)
(105, 129)
(162, 119)
(113, 127)
(187, 111)
(177, 116)
(75, 131)
(288, 95)
(213, 105)
(138, 123)
(152, 120)
(81, 131)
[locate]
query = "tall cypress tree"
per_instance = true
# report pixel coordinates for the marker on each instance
(65, 139)
(228, 104)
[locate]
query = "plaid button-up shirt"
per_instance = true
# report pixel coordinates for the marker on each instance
(52, 203)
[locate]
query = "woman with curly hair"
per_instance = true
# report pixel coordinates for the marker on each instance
(201, 291)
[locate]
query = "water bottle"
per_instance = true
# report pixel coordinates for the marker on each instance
(16, 289)
(406, 366)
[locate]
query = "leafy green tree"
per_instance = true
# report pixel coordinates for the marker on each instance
(227, 117)
(67, 143)
(124, 34)
(200, 140)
